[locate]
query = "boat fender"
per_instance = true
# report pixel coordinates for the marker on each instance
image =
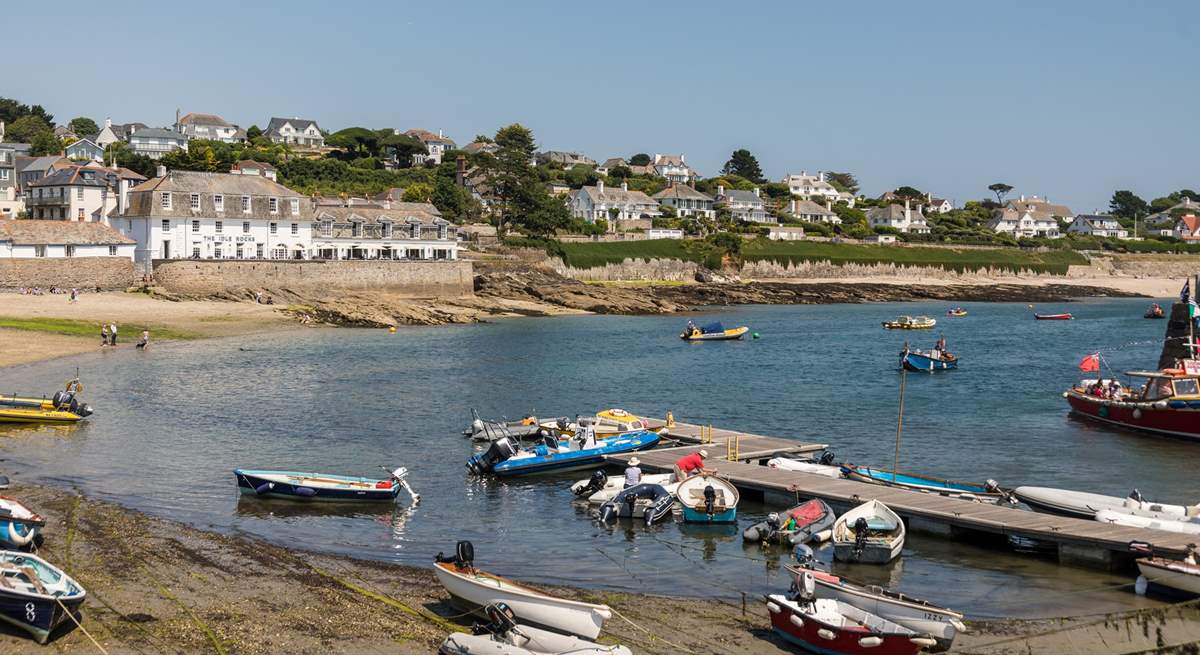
(772, 608)
(870, 642)
(1137, 413)
(958, 625)
(796, 621)
(307, 492)
(924, 642)
(1140, 586)
(264, 488)
(826, 634)
(17, 538)
(822, 536)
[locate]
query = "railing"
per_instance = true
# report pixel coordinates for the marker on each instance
(47, 200)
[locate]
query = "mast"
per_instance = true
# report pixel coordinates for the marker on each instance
(899, 424)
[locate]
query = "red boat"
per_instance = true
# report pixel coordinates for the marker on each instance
(1169, 403)
(1053, 317)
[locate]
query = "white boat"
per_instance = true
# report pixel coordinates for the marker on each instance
(1183, 576)
(477, 589)
(507, 637)
(598, 493)
(607, 423)
(1085, 505)
(1177, 524)
(708, 499)
(805, 466)
(870, 533)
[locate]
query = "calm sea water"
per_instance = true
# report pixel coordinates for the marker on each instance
(171, 424)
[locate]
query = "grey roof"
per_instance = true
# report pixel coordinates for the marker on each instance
(16, 147)
(810, 208)
(399, 212)
(618, 194)
(893, 213)
(1097, 218)
(158, 133)
(224, 183)
(681, 192)
(40, 163)
(192, 118)
(300, 124)
(76, 176)
(736, 195)
(1040, 208)
(39, 232)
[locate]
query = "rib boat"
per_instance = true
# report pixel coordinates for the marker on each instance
(910, 323)
(798, 525)
(713, 332)
(606, 423)
(600, 488)
(870, 533)
(1084, 505)
(63, 407)
(35, 595)
(649, 502)
(502, 635)
(506, 458)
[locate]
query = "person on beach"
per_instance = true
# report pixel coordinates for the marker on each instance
(144, 342)
(112, 334)
(103, 335)
(633, 474)
(74, 294)
(691, 464)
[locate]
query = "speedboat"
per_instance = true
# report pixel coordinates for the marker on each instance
(910, 323)
(803, 523)
(1084, 505)
(606, 423)
(323, 486)
(19, 525)
(506, 457)
(35, 595)
(1181, 524)
(502, 635)
(1168, 403)
(63, 407)
(1176, 575)
(826, 625)
(989, 491)
(1054, 317)
(708, 499)
(600, 488)
(823, 466)
(1155, 311)
(475, 589)
(870, 533)
(649, 502)
(713, 332)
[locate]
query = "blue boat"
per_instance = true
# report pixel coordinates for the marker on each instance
(708, 499)
(19, 525)
(928, 362)
(506, 458)
(292, 485)
(989, 491)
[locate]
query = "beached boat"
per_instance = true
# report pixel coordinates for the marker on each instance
(35, 595)
(1175, 575)
(606, 423)
(63, 407)
(1053, 317)
(910, 323)
(474, 590)
(292, 485)
(989, 491)
(829, 626)
(482, 429)
(506, 458)
(503, 635)
(708, 499)
(1177, 524)
(1155, 311)
(600, 488)
(1168, 403)
(1082, 504)
(928, 361)
(649, 502)
(824, 466)
(19, 525)
(870, 533)
(712, 332)
(957, 312)
(803, 523)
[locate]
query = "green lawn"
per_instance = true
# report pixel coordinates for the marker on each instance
(71, 327)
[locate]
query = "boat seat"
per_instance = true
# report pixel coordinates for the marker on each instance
(881, 524)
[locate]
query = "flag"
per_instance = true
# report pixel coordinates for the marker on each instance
(1185, 291)
(1090, 363)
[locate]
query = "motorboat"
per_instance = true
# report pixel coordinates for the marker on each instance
(292, 485)
(1155, 311)
(35, 595)
(19, 525)
(826, 625)
(1181, 525)
(708, 499)
(805, 522)
(606, 423)
(870, 533)
(712, 332)
(475, 589)
(1168, 403)
(482, 429)
(910, 323)
(988, 491)
(506, 458)
(601, 488)
(1182, 576)
(502, 635)
(1054, 317)
(918, 615)
(927, 361)
(1084, 505)
(957, 312)
(62, 407)
(823, 466)
(649, 502)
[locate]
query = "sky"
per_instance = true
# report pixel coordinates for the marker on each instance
(1066, 100)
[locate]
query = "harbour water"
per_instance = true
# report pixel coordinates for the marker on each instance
(171, 424)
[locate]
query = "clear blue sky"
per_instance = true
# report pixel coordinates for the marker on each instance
(1070, 99)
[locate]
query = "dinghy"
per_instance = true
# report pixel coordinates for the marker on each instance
(910, 323)
(505, 458)
(712, 332)
(821, 466)
(1177, 524)
(708, 499)
(825, 625)
(800, 524)
(600, 488)
(1085, 505)
(1181, 576)
(870, 533)
(35, 595)
(957, 312)
(19, 525)
(63, 407)
(927, 361)
(989, 491)
(649, 502)
(322, 486)
(1053, 317)
(502, 635)
(475, 589)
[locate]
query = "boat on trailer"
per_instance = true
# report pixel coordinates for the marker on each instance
(870, 533)
(988, 491)
(37, 596)
(293, 485)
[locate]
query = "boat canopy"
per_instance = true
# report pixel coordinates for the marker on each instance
(1171, 374)
(713, 328)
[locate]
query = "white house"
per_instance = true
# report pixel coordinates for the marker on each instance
(937, 205)
(1098, 225)
(904, 219)
(155, 142)
(785, 233)
(686, 201)
(745, 206)
(251, 167)
(27, 239)
(592, 203)
(436, 145)
(810, 212)
(674, 168)
(1027, 224)
(814, 187)
(295, 131)
(663, 233)
(402, 230)
(1187, 228)
(81, 193)
(1040, 208)
(208, 126)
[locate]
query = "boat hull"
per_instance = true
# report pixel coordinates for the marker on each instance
(1053, 317)
(48, 615)
(915, 361)
(786, 464)
(275, 484)
(923, 483)
(34, 415)
(1084, 505)
(691, 497)
(1178, 577)
(826, 639)
(883, 541)
(732, 334)
(691, 515)
(578, 460)
(1182, 422)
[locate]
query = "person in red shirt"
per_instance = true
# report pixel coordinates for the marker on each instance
(690, 464)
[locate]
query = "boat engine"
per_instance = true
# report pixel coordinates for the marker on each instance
(464, 555)
(608, 512)
(1137, 496)
(772, 531)
(804, 555)
(501, 620)
(827, 458)
(500, 450)
(860, 536)
(596, 483)
(710, 499)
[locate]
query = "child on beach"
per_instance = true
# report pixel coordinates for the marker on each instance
(103, 336)
(144, 342)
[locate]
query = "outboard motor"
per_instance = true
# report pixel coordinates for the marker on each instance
(596, 483)
(563, 423)
(500, 450)
(464, 555)
(476, 426)
(710, 499)
(860, 535)
(991, 486)
(84, 410)
(1137, 496)
(772, 531)
(827, 458)
(804, 556)
(501, 620)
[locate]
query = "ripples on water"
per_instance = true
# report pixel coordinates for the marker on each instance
(171, 424)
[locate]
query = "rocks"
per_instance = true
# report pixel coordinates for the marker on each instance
(547, 287)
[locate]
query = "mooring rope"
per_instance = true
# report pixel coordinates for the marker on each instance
(80, 626)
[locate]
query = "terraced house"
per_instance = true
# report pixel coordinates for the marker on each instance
(402, 230)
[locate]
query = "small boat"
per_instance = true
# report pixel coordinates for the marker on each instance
(1175, 575)
(489, 430)
(19, 525)
(606, 423)
(870, 533)
(1155, 311)
(1167, 404)
(502, 635)
(928, 361)
(989, 491)
(475, 590)
(803, 523)
(323, 486)
(823, 466)
(1053, 317)
(917, 615)
(35, 595)
(910, 323)
(63, 407)
(506, 458)
(712, 332)
(708, 499)
(957, 312)
(600, 488)
(1082, 504)
(829, 626)
(1180, 525)
(649, 502)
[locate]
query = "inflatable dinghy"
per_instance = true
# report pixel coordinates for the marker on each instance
(649, 502)
(502, 635)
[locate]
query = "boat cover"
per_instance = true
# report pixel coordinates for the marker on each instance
(713, 328)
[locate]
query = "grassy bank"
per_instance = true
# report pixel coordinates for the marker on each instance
(76, 328)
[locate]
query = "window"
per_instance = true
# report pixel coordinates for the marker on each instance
(295, 203)
(195, 252)
(295, 229)
(112, 251)
(166, 225)
(39, 251)
(326, 228)
(79, 216)
(239, 251)
(79, 193)
(165, 200)
(273, 205)
(385, 230)
(219, 203)
(274, 228)
(355, 228)
(245, 227)
(246, 204)
(217, 251)
(70, 251)
(220, 226)
(195, 226)
(414, 230)
(195, 202)
(258, 250)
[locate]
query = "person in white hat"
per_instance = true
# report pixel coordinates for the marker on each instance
(633, 474)
(691, 464)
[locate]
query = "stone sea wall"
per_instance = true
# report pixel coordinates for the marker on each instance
(412, 279)
(673, 270)
(83, 272)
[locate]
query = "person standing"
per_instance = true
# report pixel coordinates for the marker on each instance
(103, 335)
(112, 332)
(74, 294)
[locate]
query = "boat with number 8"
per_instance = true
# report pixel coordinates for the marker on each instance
(37, 596)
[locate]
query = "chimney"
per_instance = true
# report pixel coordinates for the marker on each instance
(757, 193)
(929, 197)
(1022, 197)
(600, 186)
(624, 186)
(460, 173)
(108, 122)
(720, 189)
(828, 204)
(792, 206)
(177, 120)
(820, 176)
(440, 135)
(160, 171)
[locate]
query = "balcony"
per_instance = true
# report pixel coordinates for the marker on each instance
(47, 201)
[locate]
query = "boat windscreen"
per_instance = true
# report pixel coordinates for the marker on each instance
(712, 328)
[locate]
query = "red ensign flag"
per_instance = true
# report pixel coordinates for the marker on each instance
(1090, 363)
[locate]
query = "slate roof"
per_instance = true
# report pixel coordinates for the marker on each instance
(192, 118)
(250, 163)
(810, 208)
(29, 232)
(681, 192)
(394, 194)
(223, 183)
(425, 136)
(45, 163)
(476, 147)
(1041, 209)
(399, 212)
(300, 124)
(75, 176)
(159, 133)
(894, 213)
(617, 195)
(735, 195)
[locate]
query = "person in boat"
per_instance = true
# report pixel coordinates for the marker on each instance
(939, 348)
(633, 472)
(691, 464)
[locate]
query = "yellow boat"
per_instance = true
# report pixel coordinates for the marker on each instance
(62, 408)
(712, 332)
(609, 423)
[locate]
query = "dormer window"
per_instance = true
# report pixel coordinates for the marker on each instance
(414, 230)
(219, 203)
(295, 203)
(245, 204)
(356, 228)
(385, 229)
(326, 228)
(165, 200)
(195, 202)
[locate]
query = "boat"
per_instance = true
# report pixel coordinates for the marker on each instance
(502, 635)
(482, 429)
(1053, 317)
(649, 502)
(910, 323)
(606, 423)
(1082, 504)
(506, 457)
(920, 616)
(1167, 404)
(870, 533)
(829, 626)
(823, 466)
(708, 499)
(712, 332)
(63, 407)
(1179, 525)
(1155, 311)
(957, 312)
(927, 360)
(1175, 575)
(292, 485)
(600, 488)
(37, 596)
(475, 590)
(19, 525)
(803, 523)
(989, 491)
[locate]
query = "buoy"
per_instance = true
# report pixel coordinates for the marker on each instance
(17, 538)
(755, 335)
(392, 329)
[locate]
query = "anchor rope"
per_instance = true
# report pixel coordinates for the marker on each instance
(80, 626)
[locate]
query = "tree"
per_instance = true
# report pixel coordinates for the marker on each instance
(620, 172)
(119, 154)
(401, 148)
(1000, 189)
(24, 129)
(743, 164)
(482, 138)
(640, 159)
(355, 141)
(910, 192)
(44, 143)
(11, 111)
(253, 132)
(845, 182)
(83, 126)
(419, 192)
(1126, 204)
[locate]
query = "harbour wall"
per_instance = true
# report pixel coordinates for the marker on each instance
(412, 279)
(67, 272)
